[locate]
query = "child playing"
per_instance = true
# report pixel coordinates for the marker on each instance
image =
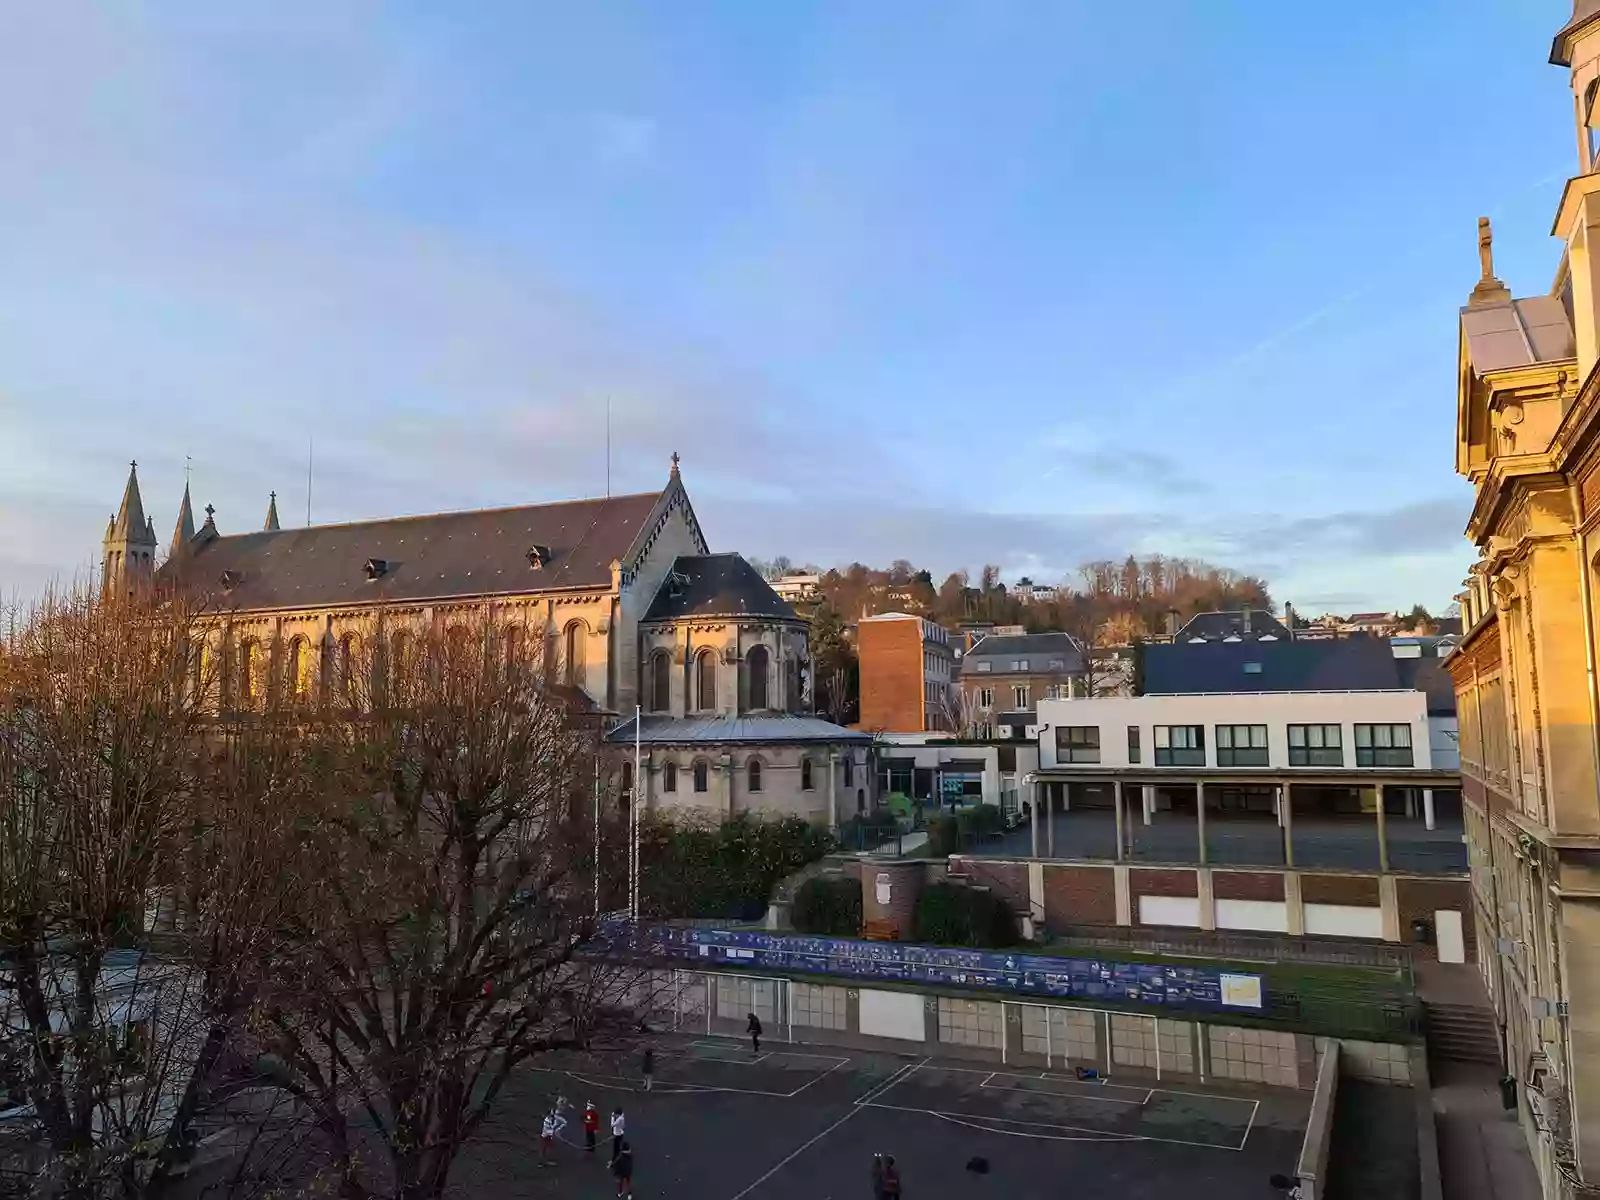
(554, 1123)
(591, 1125)
(622, 1168)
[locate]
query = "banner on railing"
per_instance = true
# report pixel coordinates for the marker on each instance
(1031, 974)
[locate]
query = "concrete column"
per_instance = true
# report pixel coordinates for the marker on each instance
(1389, 904)
(1033, 819)
(1287, 804)
(1383, 832)
(1124, 894)
(1208, 901)
(1066, 796)
(1036, 891)
(1200, 819)
(1050, 820)
(1295, 906)
(1147, 795)
(1116, 791)
(1427, 807)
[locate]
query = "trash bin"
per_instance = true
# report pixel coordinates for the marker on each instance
(1508, 1091)
(1422, 931)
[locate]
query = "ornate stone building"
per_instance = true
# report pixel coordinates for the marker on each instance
(622, 591)
(1528, 438)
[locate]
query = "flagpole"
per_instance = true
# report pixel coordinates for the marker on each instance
(597, 834)
(633, 808)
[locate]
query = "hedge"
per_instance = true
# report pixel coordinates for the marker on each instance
(950, 914)
(828, 904)
(727, 869)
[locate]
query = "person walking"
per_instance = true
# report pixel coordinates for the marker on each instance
(891, 1179)
(619, 1130)
(649, 1066)
(591, 1125)
(877, 1177)
(554, 1123)
(753, 1028)
(622, 1168)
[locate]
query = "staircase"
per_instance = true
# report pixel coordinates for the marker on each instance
(1461, 1032)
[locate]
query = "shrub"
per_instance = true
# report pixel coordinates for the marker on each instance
(868, 830)
(979, 821)
(943, 836)
(951, 915)
(726, 869)
(828, 904)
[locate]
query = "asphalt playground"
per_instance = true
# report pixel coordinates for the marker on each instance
(802, 1123)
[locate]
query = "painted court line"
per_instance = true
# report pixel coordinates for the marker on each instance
(1093, 1135)
(903, 1072)
(1092, 1099)
(1250, 1124)
(721, 1041)
(819, 1078)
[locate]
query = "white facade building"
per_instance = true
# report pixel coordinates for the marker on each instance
(1388, 730)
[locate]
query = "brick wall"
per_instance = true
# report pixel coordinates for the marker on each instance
(890, 653)
(1080, 896)
(1339, 889)
(1421, 898)
(1008, 880)
(1162, 883)
(1247, 885)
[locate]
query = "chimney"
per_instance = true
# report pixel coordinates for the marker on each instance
(1247, 613)
(1172, 622)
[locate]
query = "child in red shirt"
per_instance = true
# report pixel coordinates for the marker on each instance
(591, 1125)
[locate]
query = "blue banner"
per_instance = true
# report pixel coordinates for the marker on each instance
(1029, 974)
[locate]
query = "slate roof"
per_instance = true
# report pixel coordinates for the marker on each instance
(476, 553)
(1517, 334)
(1031, 646)
(660, 729)
(1219, 625)
(1333, 665)
(720, 585)
(1429, 676)
(1583, 11)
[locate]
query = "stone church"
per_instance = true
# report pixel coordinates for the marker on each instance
(625, 590)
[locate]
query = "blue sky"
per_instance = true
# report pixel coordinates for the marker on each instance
(968, 282)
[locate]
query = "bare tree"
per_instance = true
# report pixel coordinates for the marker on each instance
(441, 944)
(100, 715)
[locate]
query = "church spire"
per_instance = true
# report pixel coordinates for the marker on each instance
(272, 513)
(130, 523)
(184, 533)
(128, 553)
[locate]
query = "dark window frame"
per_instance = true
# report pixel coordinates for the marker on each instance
(1374, 754)
(1078, 743)
(1133, 744)
(1315, 750)
(1193, 755)
(1230, 754)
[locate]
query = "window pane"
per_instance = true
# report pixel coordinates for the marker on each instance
(1297, 735)
(1363, 736)
(1258, 737)
(1402, 735)
(1332, 736)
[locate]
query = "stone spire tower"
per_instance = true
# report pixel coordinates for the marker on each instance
(129, 550)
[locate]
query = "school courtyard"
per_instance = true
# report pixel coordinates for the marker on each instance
(801, 1122)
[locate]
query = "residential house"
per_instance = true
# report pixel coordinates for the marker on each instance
(1003, 678)
(1377, 624)
(1243, 625)
(797, 589)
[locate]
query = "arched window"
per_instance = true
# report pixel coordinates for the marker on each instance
(754, 773)
(791, 684)
(297, 672)
(861, 800)
(805, 774)
(661, 682)
(669, 777)
(627, 777)
(701, 776)
(248, 687)
(849, 771)
(705, 697)
(757, 661)
(572, 656)
(348, 649)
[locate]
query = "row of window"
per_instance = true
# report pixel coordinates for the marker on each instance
(700, 775)
(984, 666)
(1246, 745)
(703, 682)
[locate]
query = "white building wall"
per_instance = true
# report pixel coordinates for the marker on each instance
(1276, 710)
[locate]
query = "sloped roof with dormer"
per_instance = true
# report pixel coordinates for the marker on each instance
(1518, 333)
(481, 552)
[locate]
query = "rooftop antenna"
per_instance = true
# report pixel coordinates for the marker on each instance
(311, 445)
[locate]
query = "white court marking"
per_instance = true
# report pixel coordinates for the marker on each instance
(634, 1083)
(1077, 1089)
